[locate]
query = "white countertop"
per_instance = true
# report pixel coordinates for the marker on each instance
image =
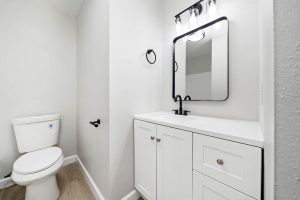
(246, 132)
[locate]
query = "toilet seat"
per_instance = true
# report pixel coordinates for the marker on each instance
(37, 166)
(37, 161)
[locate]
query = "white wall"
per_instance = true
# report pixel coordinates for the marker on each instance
(135, 86)
(93, 95)
(267, 92)
(287, 99)
(243, 58)
(38, 71)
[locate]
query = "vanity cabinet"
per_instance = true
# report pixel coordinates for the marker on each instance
(163, 162)
(197, 158)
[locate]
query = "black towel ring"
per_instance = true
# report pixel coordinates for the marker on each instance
(149, 51)
(176, 66)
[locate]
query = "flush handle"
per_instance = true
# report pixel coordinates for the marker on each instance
(96, 123)
(220, 162)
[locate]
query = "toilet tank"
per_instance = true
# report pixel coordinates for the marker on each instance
(36, 132)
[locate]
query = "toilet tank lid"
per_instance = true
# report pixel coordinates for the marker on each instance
(35, 119)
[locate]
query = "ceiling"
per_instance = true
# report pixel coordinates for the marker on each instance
(71, 7)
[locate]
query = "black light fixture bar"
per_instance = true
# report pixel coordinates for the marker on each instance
(200, 28)
(195, 5)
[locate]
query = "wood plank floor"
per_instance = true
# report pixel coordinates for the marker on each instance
(70, 181)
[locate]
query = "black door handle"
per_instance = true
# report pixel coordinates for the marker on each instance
(96, 123)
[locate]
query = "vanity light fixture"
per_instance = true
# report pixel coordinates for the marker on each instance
(195, 11)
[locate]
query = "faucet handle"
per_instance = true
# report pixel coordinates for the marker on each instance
(187, 98)
(176, 112)
(185, 112)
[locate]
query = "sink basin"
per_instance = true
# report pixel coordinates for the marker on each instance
(172, 118)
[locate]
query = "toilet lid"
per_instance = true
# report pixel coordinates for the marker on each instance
(37, 161)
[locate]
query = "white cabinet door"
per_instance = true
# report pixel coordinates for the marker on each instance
(145, 158)
(174, 164)
(205, 188)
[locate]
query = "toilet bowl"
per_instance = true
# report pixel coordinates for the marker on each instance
(36, 138)
(36, 170)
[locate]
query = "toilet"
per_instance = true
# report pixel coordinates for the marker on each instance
(41, 160)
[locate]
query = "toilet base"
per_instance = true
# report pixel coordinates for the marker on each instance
(44, 190)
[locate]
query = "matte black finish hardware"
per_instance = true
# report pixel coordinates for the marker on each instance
(149, 51)
(152, 137)
(158, 139)
(96, 123)
(185, 112)
(187, 34)
(212, 1)
(180, 111)
(220, 162)
(176, 66)
(187, 98)
(196, 6)
(178, 97)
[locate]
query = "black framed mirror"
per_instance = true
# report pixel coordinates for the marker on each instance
(201, 62)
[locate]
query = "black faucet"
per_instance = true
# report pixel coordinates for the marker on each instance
(187, 97)
(180, 111)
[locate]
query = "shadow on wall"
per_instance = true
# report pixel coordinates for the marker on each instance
(8, 151)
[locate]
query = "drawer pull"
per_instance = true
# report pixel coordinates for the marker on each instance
(157, 139)
(220, 162)
(152, 137)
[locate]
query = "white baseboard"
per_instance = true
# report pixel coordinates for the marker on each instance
(70, 160)
(133, 195)
(6, 182)
(95, 190)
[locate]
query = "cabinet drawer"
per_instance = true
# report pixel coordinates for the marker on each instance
(205, 188)
(234, 164)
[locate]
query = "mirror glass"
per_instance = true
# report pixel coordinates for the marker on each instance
(200, 63)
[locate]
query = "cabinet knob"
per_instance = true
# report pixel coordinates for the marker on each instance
(158, 139)
(152, 137)
(220, 162)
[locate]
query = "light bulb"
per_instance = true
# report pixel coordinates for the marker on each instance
(212, 11)
(178, 26)
(213, 14)
(193, 19)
